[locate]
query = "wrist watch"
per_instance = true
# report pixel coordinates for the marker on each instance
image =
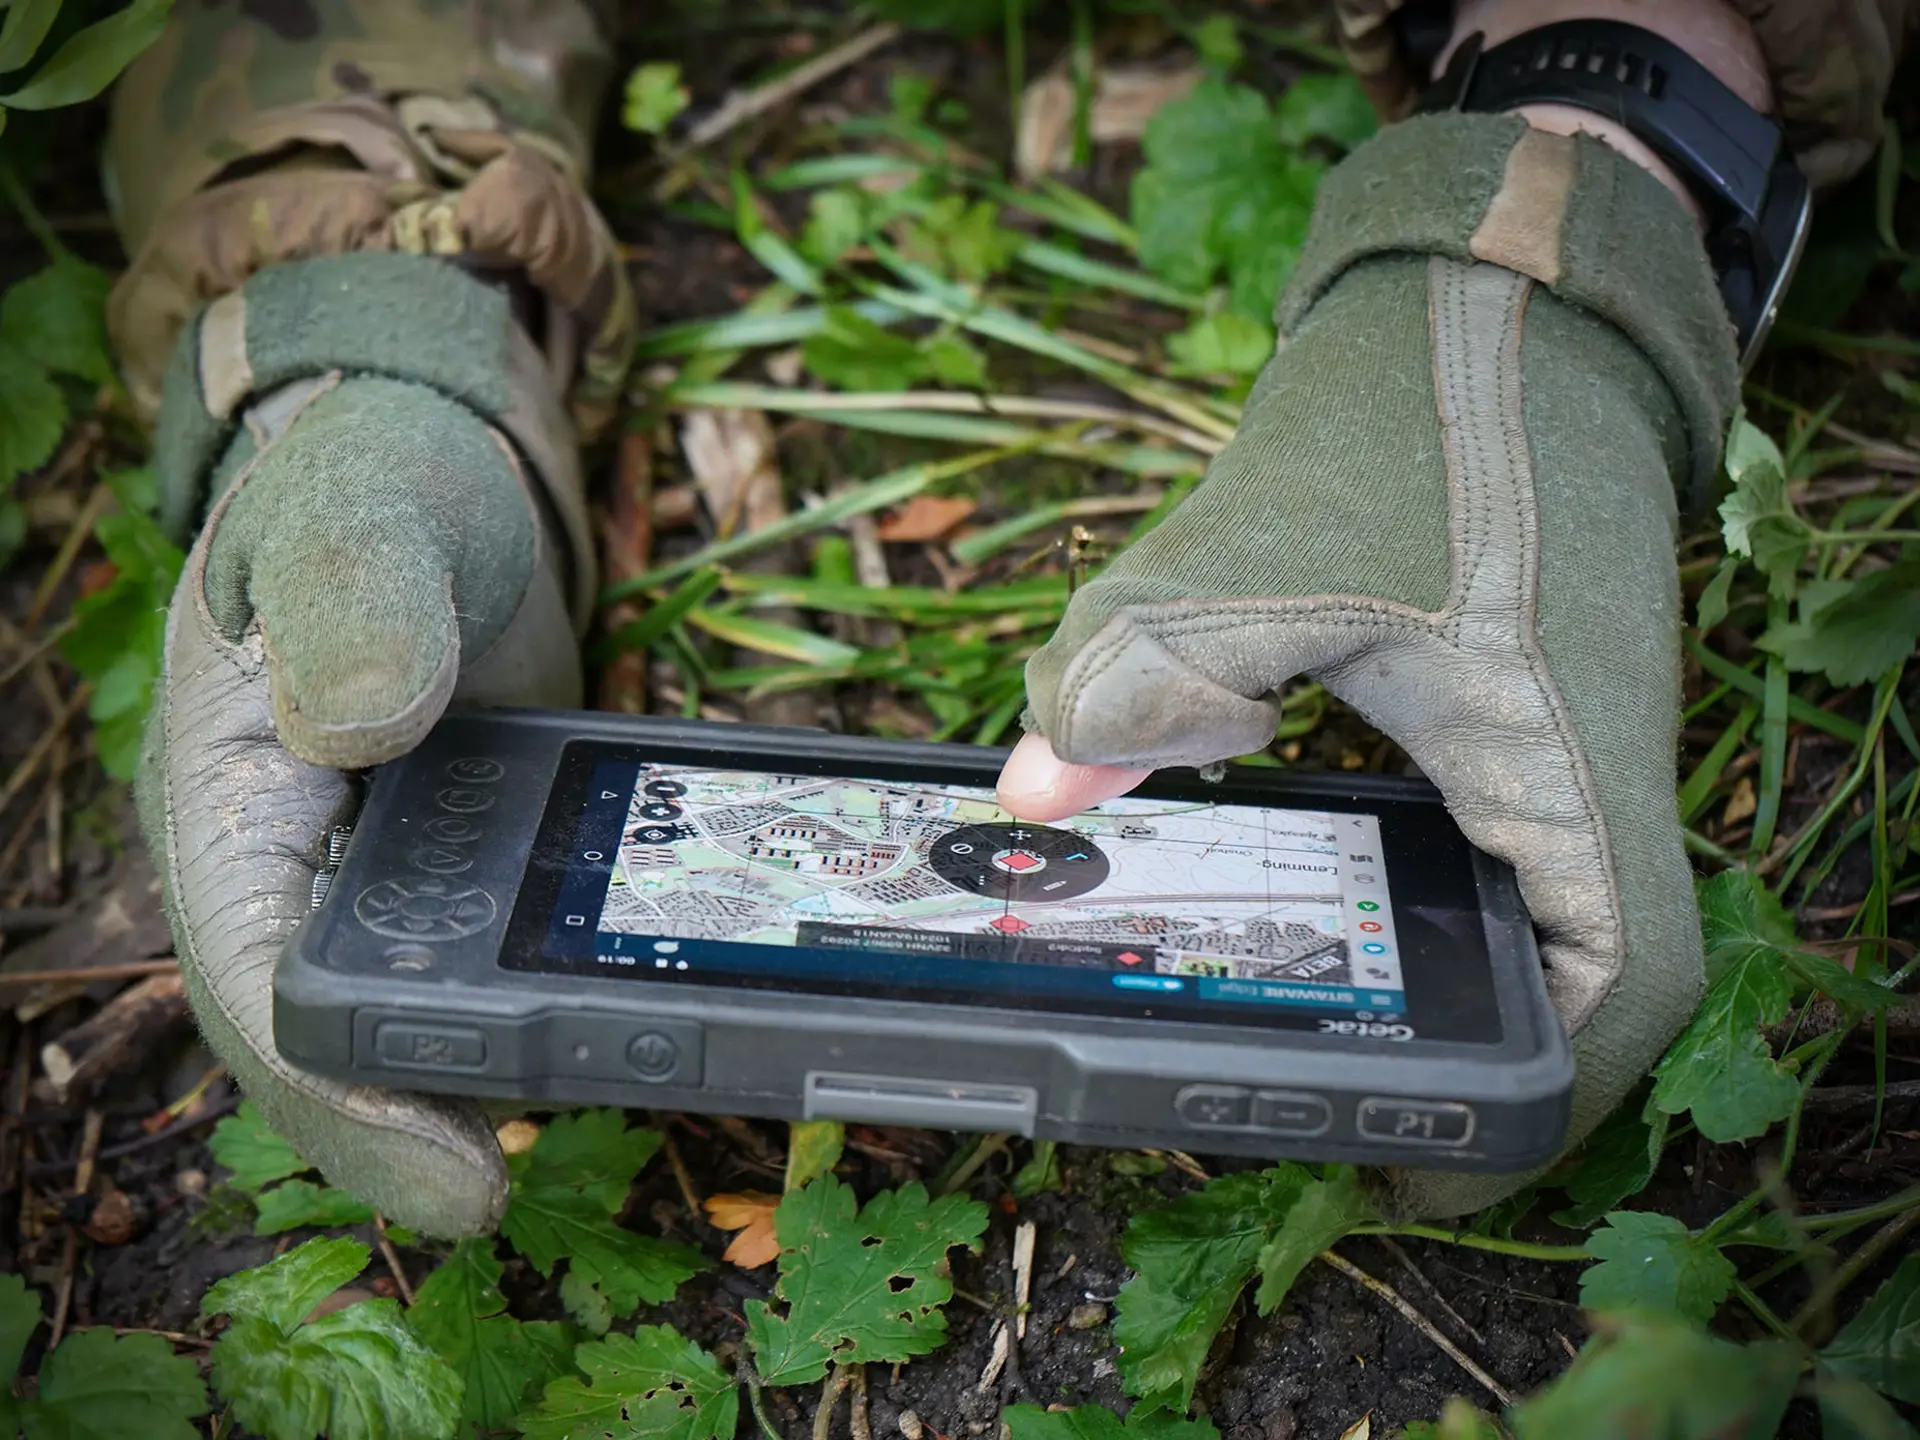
(1732, 157)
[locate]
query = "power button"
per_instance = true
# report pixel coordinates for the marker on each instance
(653, 1056)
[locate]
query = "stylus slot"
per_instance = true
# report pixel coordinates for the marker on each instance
(935, 1104)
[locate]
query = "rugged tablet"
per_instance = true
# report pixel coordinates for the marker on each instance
(606, 909)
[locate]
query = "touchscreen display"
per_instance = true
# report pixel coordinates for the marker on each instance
(1180, 908)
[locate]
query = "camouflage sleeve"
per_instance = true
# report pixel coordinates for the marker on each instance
(282, 129)
(1831, 61)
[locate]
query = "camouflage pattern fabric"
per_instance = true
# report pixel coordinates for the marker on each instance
(1831, 62)
(278, 130)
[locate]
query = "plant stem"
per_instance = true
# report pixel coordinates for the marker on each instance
(1818, 1308)
(1906, 1200)
(758, 1404)
(30, 215)
(1520, 1249)
(1762, 1311)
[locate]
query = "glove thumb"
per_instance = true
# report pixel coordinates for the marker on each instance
(382, 537)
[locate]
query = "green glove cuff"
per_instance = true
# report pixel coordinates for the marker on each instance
(400, 317)
(1574, 218)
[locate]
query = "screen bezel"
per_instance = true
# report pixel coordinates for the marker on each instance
(1430, 867)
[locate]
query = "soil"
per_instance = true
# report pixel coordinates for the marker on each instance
(1331, 1355)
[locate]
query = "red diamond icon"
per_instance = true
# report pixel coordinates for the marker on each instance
(1010, 924)
(1127, 957)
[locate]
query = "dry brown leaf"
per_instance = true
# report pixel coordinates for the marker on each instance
(1742, 803)
(1125, 98)
(1361, 1429)
(751, 1213)
(925, 517)
(516, 1136)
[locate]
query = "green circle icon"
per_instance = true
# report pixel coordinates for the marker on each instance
(1367, 905)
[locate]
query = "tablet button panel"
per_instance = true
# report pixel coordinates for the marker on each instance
(410, 1045)
(1214, 1107)
(1290, 1112)
(1415, 1122)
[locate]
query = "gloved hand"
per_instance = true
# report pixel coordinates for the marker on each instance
(377, 547)
(1452, 501)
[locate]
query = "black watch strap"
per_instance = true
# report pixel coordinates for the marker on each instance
(1731, 156)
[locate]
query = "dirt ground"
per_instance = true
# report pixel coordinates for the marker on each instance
(1333, 1354)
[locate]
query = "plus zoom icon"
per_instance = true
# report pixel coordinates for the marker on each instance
(662, 814)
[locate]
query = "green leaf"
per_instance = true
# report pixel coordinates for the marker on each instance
(87, 63)
(961, 240)
(1720, 1068)
(1096, 1422)
(1860, 634)
(1458, 1421)
(97, 1386)
(1653, 1262)
(1325, 106)
(1040, 1174)
(1190, 1262)
(1217, 38)
(461, 1315)
(859, 1287)
(836, 222)
(300, 1203)
(1325, 1210)
(20, 1314)
(1881, 1345)
(1616, 1161)
(1756, 519)
(34, 417)
(13, 529)
(59, 316)
(257, 1156)
(854, 353)
(1850, 1410)
(1712, 608)
(567, 1191)
(653, 98)
(1653, 1375)
(1226, 343)
(284, 1291)
(1221, 192)
(654, 1384)
(813, 1149)
(27, 24)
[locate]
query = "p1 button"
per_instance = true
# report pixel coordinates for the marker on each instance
(1415, 1122)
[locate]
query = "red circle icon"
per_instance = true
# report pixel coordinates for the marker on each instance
(1370, 926)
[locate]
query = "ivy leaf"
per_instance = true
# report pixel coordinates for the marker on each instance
(1651, 1374)
(568, 1190)
(654, 1384)
(1860, 634)
(1325, 106)
(1221, 192)
(653, 98)
(461, 1315)
(1190, 1262)
(300, 1203)
(1654, 1262)
(34, 417)
(1881, 1345)
(1227, 343)
(357, 1374)
(257, 1156)
(1617, 1160)
(813, 1149)
(859, 1287)
(1096, 1422)
(97, 1386)
(1325, 1210)
(59, 316)
(20, 1314)
(1756, 519)
(1720, 1068)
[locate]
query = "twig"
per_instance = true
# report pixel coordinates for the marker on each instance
(40, 1169)
(70, 1252)
(830, 1389)
(131, 970)
(388, 1254)
(1420, 1322)
(172, 1337)
(1392, 1247)
(997, 1356)
(43, 747)
(77, 536)
(757, 1402)
(743, 105)
(988, 1146)
(688, 1194)
(1023, 1242)
(857, 1417)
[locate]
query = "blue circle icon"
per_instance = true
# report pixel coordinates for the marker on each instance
(1374, 947)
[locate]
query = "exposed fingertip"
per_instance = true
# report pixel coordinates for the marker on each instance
(1038, 785)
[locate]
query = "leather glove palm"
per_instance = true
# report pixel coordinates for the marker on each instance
(376, 550)
(1452, 502)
